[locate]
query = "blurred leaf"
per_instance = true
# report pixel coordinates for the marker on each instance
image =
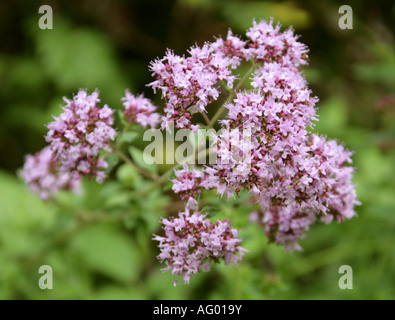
(129, 136)
(382, 73)
(241, 14)
(117, 200)
(33, 118)
(253, 239)
(109, 188)
(332, 117)
(375, 167)
(128, 175)
(71, 280)
(26, 75)
(138, 157)
(200, 4)
(80, 58)
(21, 209)
(211, 211)
(112, 160)
(160, 284)
(107, 250)
(88, 198)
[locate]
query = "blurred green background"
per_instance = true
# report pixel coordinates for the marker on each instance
(99, 244)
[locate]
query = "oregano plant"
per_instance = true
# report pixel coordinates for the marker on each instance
(260, 136)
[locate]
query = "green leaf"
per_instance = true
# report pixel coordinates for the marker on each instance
(20, 208)
(128, 175)
(109, 251)
(109, 188)
(89, 199)
(129, 136)
(211, 211)
(117, 200)
(374, 167)
(332, 117)
(138, 157)
(112, 160)
(80, 58)
(380, 72)
(241, 14)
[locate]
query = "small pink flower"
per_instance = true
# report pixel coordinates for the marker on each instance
(189, 183)
(41, 174)
(191, 242)
(80, 133)
(140, 110)
(268, 44)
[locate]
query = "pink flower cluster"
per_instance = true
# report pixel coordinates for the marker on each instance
(265, 147)
(189, 183)
(284, 228)
(322, 190)
(263, 130)
(40, 172)
(80, 133)
(268, 44)
(233, 48)
(191, 243)
(189, 84)
(140, 110)
(77, 140)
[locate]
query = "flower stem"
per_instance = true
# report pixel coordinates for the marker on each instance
(207, 119)
(144, 172)
(233, 93)
(118, 141)
(163, 178)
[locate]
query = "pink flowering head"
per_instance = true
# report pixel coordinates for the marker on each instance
(297, 177)
(285, 225)
(190, 84)
(268, 44)
(313, 184)
(332, 178)
(274, 118)
(140, 110)
(235, 151)
(189, 183)
(80, 133)
(40, 172)
(232, 47)
(191, 243)
(288, 100)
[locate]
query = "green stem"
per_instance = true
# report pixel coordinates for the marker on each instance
(118, 141)
(207, 119)
(233, 93)
(144, 172)
(163, 178)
